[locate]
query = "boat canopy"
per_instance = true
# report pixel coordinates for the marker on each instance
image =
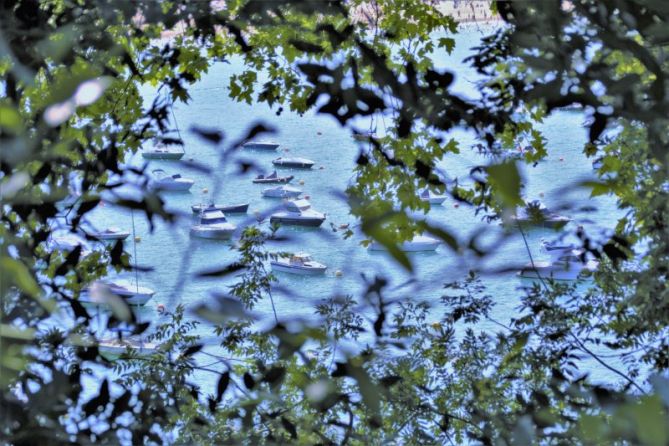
(302, 256)
(211, 216)
(298, 205)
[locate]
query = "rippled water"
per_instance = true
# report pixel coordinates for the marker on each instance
(175, 256)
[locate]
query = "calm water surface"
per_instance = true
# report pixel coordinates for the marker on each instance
(175, 256)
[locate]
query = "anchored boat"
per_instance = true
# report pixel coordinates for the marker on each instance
(174, 183)
(132, 294)
(417, 244)
(164, 152)
(213, 225)
(226, 209)
(567, 265)
(537, 214)
(295, 162)
(298, 213)
(282, 192)
(260, 145)
(272, 178)
(111, 233)
(428, 196)
(300, 263)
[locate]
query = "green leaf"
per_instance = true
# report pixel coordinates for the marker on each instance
(20, 276)
(447, 43)
(10, 120)
(650, 419)
(505, 180)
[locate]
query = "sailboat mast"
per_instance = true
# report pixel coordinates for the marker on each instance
(183, 144)
(134, 245)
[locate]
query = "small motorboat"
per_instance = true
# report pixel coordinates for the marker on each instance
(213, 225)
(114, 348)
(174, 182)
(300, 263)
(571, 108)
(111, 233)
(301, 163)
(537, 214)
(68, 242)
(569, 264)
(428, 196)
(272, 178)
(553, 248)
(417, 244)
(132, 294)
(229, 209)
(282, 192)
(298, 213)
(364, 136)
(163, 152)
(260, 145)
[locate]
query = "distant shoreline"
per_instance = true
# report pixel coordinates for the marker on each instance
(463, 11)
(469, 11)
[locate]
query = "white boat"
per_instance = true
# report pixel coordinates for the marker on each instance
(365, 136)
(164, 152)
(272, 178)
(132, 294)
(111, 233)
(282, 192)
(302, 163)
(261, 145)
(428, 196)
(298, 213)
(300, 263)
(568, 265)
(553, 248)
(417, 244)
(213, 225)
(114, 348)
(537, 214)
(175, 182)
(68, 242)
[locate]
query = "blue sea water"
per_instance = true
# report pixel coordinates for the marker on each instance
(176, 257)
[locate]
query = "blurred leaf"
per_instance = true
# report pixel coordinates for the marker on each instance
(10, 120)
(505, 180)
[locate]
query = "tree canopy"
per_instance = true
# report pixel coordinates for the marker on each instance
(71, 115)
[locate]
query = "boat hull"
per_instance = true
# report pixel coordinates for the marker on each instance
(294, 165)
(232, 209)
(293, 221)
(281, 194)
(280, 267)
(135, 299)
(109, 235)
(112, 351)
(546, 270)
(260, 145)
(162, 155)
(548, 223)
(409, 246)
(434, 200)
(280, 180)
(173, 187)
